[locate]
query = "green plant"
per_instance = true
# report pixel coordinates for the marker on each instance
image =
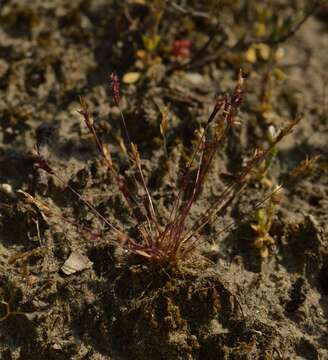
(262, 173)
(167, 240)
(262, 224)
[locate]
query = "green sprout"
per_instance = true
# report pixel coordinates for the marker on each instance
(263, 222)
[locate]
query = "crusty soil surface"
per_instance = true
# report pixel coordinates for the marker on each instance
(225, 302)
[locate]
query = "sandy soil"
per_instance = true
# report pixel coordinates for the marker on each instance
(228, 302)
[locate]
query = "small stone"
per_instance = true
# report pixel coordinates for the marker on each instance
(76, 262)
(7, 189)
(131, 78)
(195, 79)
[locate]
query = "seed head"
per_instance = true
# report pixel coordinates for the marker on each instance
(84, 111)
(115, 83)
(41, 163)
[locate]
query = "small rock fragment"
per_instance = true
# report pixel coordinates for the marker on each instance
(76, 262)
(131, 77)
(7, 190)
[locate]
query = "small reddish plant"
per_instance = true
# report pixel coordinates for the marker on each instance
(181, 49)
(169, 242)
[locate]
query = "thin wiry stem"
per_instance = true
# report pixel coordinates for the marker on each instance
(117, 99)
(120, 180)
(134, 151)
(87, 203)
(42, 164)
(175, 208)
(106, 156)
(258, 156)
